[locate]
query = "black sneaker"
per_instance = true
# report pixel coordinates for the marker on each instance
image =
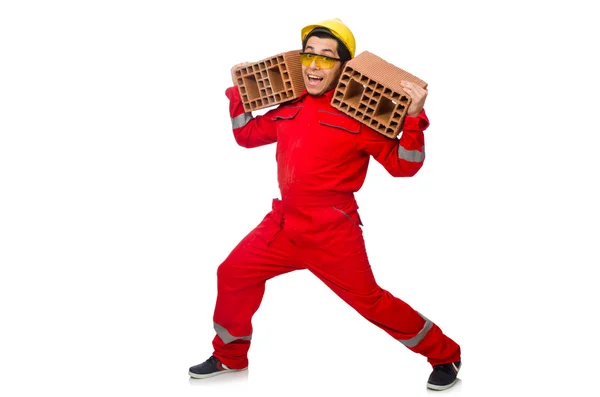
(443, 376)
(211, 367)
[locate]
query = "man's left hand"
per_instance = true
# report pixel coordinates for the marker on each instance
(418, 96)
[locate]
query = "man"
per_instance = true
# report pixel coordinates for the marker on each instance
(322, 157)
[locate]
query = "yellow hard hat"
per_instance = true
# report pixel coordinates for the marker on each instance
(339, 30)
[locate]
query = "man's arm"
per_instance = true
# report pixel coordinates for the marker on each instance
(249, 131)
(400, 157)
(404, 156)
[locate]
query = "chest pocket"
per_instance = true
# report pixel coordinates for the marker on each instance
(286, 113)
(336, 136)
(339, 121)
(284, 122)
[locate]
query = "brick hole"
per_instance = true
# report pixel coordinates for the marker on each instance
(354, 92)
(251, 87)
(384, 110)
(275, 79)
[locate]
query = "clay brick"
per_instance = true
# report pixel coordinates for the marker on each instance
(369, 91)
(270, 81)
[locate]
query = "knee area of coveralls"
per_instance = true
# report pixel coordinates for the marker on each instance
(230, 268)
(227, 275)
(379, 303)
(224, 271)
(367, 304)
(232, 272)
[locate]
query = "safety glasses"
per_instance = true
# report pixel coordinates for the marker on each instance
(322, 61)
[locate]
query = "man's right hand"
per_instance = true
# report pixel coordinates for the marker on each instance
(233, 69)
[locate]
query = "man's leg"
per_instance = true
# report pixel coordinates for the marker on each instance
(344, 267)
(264, 253)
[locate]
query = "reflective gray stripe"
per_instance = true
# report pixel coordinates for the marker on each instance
(226, 337)
(414, 156)
(241, 120)
(412, 342)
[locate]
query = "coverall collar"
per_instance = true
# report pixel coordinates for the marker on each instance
(327, 95)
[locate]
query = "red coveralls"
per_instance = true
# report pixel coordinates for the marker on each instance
(322, 158)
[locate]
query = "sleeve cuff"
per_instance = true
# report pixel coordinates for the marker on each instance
(236, 107)
(233, 92)
(416, 123)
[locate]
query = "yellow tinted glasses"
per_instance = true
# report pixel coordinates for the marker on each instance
(322, 61)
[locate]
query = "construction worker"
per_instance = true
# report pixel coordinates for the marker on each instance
(322, 157)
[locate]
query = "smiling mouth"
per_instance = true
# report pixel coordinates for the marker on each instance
(314, 80)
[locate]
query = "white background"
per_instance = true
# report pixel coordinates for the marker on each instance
(122, 189)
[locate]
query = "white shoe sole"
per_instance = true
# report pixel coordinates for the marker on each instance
(440, 388)
(225, 371)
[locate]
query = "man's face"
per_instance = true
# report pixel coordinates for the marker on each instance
(316, 80)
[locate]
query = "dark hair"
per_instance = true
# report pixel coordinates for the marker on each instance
(325, 33)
